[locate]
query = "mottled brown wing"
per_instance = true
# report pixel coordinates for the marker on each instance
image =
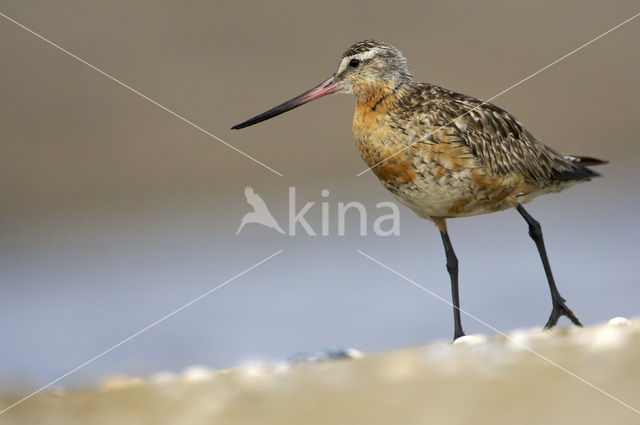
(494, 136)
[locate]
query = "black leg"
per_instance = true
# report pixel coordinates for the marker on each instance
(559, 307)
(452, 268)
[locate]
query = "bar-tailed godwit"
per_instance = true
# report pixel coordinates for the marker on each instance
(444, 154)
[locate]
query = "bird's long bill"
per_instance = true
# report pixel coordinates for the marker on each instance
(324, 88)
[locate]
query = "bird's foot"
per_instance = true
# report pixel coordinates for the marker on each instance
(561, 309)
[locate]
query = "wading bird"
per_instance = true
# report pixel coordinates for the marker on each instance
(444, 154)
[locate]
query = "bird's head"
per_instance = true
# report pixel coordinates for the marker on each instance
(370, 65)
(366, 66)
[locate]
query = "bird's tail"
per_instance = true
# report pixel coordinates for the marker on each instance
(585, 161)
(578, 168)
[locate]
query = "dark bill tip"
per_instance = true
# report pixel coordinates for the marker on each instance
(326, 87)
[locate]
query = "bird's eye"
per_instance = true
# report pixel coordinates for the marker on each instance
(354, 63)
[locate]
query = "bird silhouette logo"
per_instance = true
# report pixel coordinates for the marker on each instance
(260, 213)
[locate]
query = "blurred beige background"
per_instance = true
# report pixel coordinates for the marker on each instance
(114, 212)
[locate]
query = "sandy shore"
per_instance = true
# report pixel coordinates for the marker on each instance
(528, 377)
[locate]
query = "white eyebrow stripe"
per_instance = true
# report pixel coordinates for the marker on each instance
(360, 56)
(368, 54)
(343, 65)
